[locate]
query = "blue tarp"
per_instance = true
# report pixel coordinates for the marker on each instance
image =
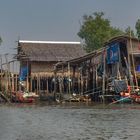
(23, 73)
(113, 53)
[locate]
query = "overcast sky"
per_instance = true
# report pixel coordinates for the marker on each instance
(58, 20)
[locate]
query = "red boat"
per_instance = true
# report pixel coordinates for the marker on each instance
(22, 97)
(135, 97)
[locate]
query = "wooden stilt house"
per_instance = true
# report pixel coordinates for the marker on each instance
(95, 73)
(37, 60)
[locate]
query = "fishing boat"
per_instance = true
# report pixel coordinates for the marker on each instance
(24, 97)
(122, 100)
(136, 98)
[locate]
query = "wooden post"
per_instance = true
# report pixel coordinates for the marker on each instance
(39, 84)
(31, 80)
(118, 65)
(47, 85)
(104, 72)
(27, 80)
(133, 63)
(1, 72)
(73, 81)
(93, 77)
(62, 78)
(16, 80)
(55, 85)
(79, 82)
(13, 77)
(69, 77)
(129, 69)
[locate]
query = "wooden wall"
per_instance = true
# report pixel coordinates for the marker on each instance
(135, 46)
(42, 66)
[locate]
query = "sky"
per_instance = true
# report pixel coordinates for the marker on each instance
(58, 20)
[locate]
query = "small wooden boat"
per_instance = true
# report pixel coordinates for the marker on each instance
(136, 98)
(122, 100)
(23, 97)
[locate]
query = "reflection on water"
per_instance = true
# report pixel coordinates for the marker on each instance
(71, 121)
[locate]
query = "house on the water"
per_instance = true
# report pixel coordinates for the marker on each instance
(105, 72)
(38, 58)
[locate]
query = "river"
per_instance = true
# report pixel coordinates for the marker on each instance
(69, 121)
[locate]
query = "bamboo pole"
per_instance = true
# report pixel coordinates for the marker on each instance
(104, 72)
(79, 88)
(81, 82)
(73, 81)
(27, 80)
(96, 78)
(86, 80)
(129, 69)
(39, 84)
(62, 78)
(31, 80)
(13, 77)
(133, 63)
(55, 85)
(47, 84)
(16, 77)
(69, 77)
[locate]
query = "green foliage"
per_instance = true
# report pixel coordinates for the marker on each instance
(129, 32)
(95, 30)
(137, 26)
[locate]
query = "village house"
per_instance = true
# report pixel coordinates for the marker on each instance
(38, 58)
(107, 71)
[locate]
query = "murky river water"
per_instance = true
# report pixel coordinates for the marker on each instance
(69, 122)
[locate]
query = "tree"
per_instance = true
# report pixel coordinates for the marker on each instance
(129, 32)
(95, 30)
(137, 26)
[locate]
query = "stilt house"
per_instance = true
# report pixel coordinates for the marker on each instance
(37, 60)
(105, 72)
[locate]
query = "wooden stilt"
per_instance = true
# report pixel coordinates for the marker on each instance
(73, 79)
(27, 80)
(13, 77)
(69, 78)
(39, 83)
(37, 77)
(62, 78)
(104, 72)
(16, 79)
(31, 80)
(79, 81)
(133, 63)
(55, 85)
(47, 84)
(1, 72)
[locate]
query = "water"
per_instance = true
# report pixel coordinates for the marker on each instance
(69, 122)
